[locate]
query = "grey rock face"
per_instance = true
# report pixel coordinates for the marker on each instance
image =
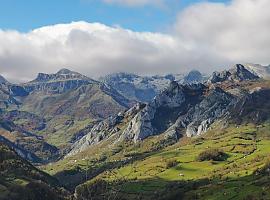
(211, 108)
(162, 112)
(253, 107)
(195, 112)
(140, 126)
(103, 130)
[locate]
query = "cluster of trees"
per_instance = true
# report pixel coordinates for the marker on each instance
(212, 154)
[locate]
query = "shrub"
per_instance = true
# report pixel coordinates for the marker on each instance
(171, 163)
(132, 154)
(95, 190)
(212, 154)
(265, 170)
(117, 149)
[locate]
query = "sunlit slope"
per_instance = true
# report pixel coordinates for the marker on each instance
(139, 170)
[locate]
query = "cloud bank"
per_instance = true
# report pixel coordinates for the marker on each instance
(206, 36)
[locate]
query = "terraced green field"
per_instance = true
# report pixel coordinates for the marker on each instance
(149, 170)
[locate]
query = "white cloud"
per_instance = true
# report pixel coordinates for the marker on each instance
(93, 49)
(206, 36)
(238, 32)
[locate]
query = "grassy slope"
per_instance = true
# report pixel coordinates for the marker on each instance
(148, 175)
(70, 112)
(59, 131)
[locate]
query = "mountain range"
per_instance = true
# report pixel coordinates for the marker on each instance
(103, 136)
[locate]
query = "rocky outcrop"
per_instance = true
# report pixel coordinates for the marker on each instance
(178, 110)
(163, 111)
(104, 129)
(212, 107)
(253, 107)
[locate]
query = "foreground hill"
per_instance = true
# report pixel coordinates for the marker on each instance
(21, 180)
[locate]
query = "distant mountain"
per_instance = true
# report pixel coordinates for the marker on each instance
(59, 82)
(93, 100)
(193, 76)
(66, 106)
(139, 88)
(145, 88)
(237, 73)
(73, 94)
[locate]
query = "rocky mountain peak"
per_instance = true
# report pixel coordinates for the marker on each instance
(59, 82)
(238, 73)
(62, 74)
(194, 76)
(64, 71)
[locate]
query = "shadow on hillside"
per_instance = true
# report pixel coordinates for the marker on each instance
(255, 186)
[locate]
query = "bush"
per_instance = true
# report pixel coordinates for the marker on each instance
(212, 154)
(116, 150)
(265, 170)
(171, 163)
(93, 191)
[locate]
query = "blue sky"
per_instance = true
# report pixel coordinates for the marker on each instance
(30, 14)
